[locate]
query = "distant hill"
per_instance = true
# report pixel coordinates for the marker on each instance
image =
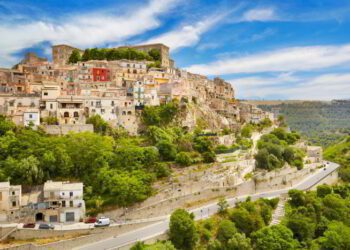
(324, 123)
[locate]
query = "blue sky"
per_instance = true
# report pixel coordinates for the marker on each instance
(268, 49)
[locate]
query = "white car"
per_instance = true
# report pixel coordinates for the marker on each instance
(103, 222)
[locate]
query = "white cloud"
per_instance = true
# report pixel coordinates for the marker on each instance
(81, 30)
(288, 59)
(322, 87)
(187, 35)
(260, 14)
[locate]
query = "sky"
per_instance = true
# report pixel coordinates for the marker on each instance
(267, 49)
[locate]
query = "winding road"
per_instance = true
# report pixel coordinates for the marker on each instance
(161, 227)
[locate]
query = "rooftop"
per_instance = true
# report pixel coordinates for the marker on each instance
(64, 186)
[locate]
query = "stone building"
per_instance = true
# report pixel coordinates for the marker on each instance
(61, 53)
(10, 201)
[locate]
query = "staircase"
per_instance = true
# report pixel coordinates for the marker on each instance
(279, 211)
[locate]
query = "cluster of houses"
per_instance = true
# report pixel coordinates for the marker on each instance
(55, 201)
(61, 96)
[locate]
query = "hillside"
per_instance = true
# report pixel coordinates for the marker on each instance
(322, 122)
(340, 153)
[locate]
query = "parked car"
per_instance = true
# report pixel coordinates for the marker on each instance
(90, 220)
(46, 226)
(29, 225)
(103, 222)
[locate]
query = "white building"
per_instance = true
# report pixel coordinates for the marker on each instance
(10, 200)
(31, 117)
(63, 202)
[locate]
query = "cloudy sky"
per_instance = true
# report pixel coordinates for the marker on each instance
(268, 49)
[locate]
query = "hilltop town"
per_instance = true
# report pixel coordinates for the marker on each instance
(115, 84)
(185, 142)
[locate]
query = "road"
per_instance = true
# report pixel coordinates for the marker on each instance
(203, 212)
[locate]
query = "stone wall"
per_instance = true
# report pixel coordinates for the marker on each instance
(93, 236)
(279, 179)
(64, 129)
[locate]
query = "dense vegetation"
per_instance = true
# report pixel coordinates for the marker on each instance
(340, 153)
(322, 122)
(314, 220)
(275, 150)
(321, 219)
(116, 169)
(116, 54)
(236, 228)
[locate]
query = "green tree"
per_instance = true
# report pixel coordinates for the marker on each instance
(209, 157)
(262, 159)
(6, 125)
(277, 237)
(239, 242)
(302, 227)
(183, 159)
(323, 190)
(297, 197)
(74, 57)
(336, 237)
(182, 230)
(226, 231)
(100, 125)
(223, 205)
(247, 131)
(167, 150)
(155, 54)
(246, 222)
(86, 55)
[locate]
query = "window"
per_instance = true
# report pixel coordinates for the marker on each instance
(30, 116)
(112, 103)
(14, 203)
(102, 111)
(63, 203)
(71, 194)
(71, 203)
(66, 114)
(76, 114)
(45, 93)
(13, 193)
(51, 106)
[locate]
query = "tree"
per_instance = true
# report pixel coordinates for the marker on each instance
(86, 55)
(226, 231)
(209, 157)
(183, 159)
(24, 171)
(247, 131)
(182, 230)
(323, 190)
(337, 237)
(74, 57)
(239, 242)
(303, 227)
(297, 197)
(246, 222)
(223, 205)
(138, 246)
(100, 125)
(167, 150)
(262, 159)
(155, 54)
(277, 237)
(6, 125)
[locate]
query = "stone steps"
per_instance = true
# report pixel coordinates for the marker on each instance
(279, 212)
